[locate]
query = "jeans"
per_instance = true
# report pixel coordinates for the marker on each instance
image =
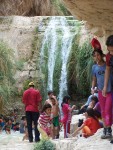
(32, 116)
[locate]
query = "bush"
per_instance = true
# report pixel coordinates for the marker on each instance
(44, 145)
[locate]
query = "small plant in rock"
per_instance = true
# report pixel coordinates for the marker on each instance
(44, 145)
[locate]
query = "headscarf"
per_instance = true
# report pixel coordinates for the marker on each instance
(96, 44)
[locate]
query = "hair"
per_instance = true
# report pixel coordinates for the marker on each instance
(109, 41)
(23, 118)
(98, 51)
(97, 113)
(46, 106)
(91, 113)
(50, 92)
(65, 100)
(94, 98)
(31, 86)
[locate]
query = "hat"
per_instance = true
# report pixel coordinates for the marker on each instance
(95, 44)
(31, 83)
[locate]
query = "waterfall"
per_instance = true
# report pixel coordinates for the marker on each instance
(50, 38)
(50, 41)
(66, 47)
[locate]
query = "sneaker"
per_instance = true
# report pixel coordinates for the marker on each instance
(103, 136)
(109, 133)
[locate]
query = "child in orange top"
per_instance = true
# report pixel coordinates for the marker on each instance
(90, 125)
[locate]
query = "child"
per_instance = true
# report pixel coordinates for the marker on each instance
(25, 129)
(55, 113)
(8, 126)
(85, 106)
(89, 126)
(93, 102)
(55, 118)
(105, 102)
(22, 125)
(66, 109)
(44, 122)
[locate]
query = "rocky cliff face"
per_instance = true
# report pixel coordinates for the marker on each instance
(19, 33)
(32, 8)
(98, 14)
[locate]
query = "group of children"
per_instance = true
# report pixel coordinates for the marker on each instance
(102, 78)
(8, 123)
(48, 122)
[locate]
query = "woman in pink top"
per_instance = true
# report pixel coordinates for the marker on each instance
(66, 109)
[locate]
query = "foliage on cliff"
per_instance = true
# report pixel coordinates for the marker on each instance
(6, 73)
(79, 69)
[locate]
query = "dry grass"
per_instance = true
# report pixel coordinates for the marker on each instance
(15, 7)
(27, 8)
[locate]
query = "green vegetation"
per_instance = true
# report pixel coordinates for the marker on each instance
(79, 69)
(19, 64)
(60, 7)
(6, 72)
(44, 145)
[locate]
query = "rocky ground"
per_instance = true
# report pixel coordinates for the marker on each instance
(14, 141)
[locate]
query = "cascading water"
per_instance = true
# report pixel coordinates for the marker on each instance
(51, 42)
(50, 38)
(66, 47)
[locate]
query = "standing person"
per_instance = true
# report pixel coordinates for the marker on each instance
(55, 112)
(32, 100)
(109, 63)
(55, 118)
(66, 109)
(105, 102)
(109, 67)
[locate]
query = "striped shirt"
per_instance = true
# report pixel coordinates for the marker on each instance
(44, 120)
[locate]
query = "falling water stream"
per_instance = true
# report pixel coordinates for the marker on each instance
(50, 39)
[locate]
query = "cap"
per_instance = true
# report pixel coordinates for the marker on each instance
(31, 83)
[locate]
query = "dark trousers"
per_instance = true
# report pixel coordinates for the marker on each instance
(32, 116)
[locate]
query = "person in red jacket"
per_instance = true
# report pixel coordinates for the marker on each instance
(32, 101)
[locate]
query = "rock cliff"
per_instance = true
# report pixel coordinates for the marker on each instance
(98, 14)
(32, 8)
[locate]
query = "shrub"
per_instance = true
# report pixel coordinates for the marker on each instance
(44, 145)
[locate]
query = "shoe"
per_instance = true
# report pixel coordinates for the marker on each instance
(103, 136)
(109, 133)
(111, 141)
(37, 140)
